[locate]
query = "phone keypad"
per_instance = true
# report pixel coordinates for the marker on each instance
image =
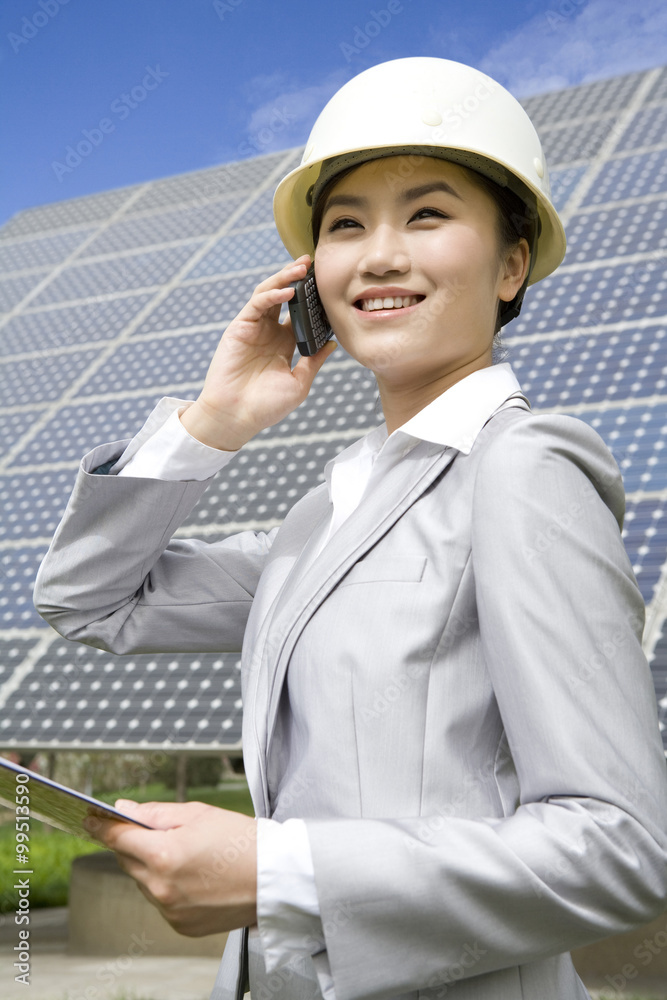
(320, 327)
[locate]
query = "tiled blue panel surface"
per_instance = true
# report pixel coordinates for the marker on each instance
(242, 251)
(207, 185)
(589, 369)
(13, 290)
(645, 537)
(32, 504)
(40, 252)
(589, 99)
(563, 183)
(146, 363)
(119, 274)
(260, 213)
(12, 654)
(74, 430)
(18, 568)
(13, 426)
(261, 484)
(637, 437)
(582, 141)
(646, 128)
(615, 232)
(203, 302)
(77, 212)
(63, 326)
(658, 91)
(127, 234)
(586, 297)
(41, 380)
(630, 177)
(75, 692)
(345, 398)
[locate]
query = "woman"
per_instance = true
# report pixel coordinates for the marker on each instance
(448, 717)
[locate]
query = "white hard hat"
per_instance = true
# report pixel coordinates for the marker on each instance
(427, 106)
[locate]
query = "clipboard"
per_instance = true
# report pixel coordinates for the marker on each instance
(52, 802)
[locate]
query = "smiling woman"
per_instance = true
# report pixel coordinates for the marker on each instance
(411, 276)
(443, 806)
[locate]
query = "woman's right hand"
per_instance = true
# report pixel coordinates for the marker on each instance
(250, 383)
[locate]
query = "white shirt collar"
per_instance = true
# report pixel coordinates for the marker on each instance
(453, 419)
(456, 417)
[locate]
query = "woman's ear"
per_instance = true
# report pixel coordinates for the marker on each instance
(514, 270)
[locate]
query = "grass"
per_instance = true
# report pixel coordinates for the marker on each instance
(52, 851)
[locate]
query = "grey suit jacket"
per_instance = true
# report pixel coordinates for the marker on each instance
(453, 695)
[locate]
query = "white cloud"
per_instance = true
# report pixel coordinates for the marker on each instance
(281, 113)
(575, 42)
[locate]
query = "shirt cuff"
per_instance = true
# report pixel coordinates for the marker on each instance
(288, 910)
(163, 449)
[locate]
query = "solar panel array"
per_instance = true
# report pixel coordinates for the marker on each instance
(111, 301)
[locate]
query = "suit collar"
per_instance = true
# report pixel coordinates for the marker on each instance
(455, 418)
(452, 420)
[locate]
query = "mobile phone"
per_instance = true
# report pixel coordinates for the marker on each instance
(309, 322)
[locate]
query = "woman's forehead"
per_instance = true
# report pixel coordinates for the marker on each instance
(391, 175)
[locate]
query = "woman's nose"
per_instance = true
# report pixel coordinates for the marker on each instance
(383, 252)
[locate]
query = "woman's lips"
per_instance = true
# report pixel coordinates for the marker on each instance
(387, 302)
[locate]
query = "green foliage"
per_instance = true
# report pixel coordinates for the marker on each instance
(200, 771)
(234, 797)
(51, 856)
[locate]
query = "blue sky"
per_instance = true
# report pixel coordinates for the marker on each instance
(160, 87)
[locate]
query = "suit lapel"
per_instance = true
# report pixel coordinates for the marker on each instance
(309, 518)
(306, 588)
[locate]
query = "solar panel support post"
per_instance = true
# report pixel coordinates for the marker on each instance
(181, 777)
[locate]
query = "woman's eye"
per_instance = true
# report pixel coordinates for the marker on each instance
(344, 223)
(430, 213)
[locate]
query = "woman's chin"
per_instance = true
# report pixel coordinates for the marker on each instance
(381, 352)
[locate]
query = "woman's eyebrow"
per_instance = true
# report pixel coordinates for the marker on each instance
(345, 199)
(419, 192)
(410, 194)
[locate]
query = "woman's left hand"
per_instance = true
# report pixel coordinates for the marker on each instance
(198, 865)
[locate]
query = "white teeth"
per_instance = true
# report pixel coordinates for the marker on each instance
(389, 302)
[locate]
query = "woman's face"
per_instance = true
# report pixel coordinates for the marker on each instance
(408, 268)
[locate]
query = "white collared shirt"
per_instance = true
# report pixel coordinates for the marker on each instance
(287, 906)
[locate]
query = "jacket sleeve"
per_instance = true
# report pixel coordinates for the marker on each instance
(406, 901)
(114, 577)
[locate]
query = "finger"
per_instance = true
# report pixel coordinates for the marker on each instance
(265, 303)
(307, 368)
(274, 291)
(102, 829)
(162, 815)
(293, 271)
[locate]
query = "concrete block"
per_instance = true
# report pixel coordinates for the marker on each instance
(108, 915)
(625, 961)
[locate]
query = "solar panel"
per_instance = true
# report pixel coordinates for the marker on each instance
(631, 176)
(52, 329)
(87, 696)
(137, 286)
(77, 212)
